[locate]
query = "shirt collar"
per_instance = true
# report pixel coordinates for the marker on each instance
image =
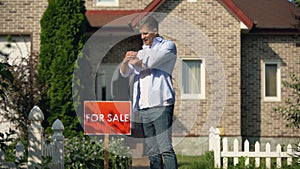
(155, 41)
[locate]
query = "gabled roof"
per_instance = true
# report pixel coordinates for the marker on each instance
(264, 14)
(98, 18)
(237, 12)
(257, 15)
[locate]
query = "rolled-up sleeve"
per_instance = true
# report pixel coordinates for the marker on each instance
(159, 58)
(129, 72)
(132, 70)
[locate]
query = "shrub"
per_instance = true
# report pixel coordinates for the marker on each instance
(62, 37)
(18, 89)
(86, 152)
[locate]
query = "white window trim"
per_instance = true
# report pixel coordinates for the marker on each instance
(20, 48)
(115, 3)
(202, 84)
(278, 77)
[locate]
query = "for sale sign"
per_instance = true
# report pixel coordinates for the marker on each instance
(107, 117)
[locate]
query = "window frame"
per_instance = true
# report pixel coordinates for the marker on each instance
(278, 82)
(22, 44)
(202, 80)
(99, 3)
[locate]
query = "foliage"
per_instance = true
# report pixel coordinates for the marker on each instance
(251, 165)
(8, 142)
(297, 155)
(205, 161)
(85, 152)
(297, 2)
(6, 78)
(18, 90)
(63, 25)
(7, 138)
(291, 110)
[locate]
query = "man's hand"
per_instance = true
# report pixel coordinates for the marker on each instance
(132, 58)
(136, 62)
(130, 55)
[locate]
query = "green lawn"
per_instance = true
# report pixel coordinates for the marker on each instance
(206, 161)
(196, 162)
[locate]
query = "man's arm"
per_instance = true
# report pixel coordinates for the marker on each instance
(124, 69)
(167, 53)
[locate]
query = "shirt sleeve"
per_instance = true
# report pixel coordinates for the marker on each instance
(128, 73)
(132, 70)
(166, 53)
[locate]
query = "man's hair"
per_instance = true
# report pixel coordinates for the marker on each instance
(149, 22)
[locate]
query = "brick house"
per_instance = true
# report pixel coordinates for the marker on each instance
(255, 45)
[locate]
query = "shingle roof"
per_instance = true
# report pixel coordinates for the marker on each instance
(255, 14)
(269, 14)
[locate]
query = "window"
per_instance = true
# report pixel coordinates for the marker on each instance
(107, 2)
(193, 79)
(271, 81)
(17, 48)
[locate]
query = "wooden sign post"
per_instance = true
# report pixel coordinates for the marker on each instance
(106, 144)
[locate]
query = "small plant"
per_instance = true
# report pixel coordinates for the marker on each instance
(8, 142)
(119, 156)
(298, 154)
(291, 110)
(85, 152)
(46, 161)
(7, 138)
(20, 163)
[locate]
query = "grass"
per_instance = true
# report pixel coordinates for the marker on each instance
(206, 161)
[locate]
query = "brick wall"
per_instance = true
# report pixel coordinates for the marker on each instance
(258, 117)
(246, 114)
(223, 31)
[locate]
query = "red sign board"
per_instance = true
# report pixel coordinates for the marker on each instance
(107, 117)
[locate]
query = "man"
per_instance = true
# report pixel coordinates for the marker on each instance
(153, 93)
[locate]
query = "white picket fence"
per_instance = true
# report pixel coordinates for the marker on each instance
(37, 148)
(222, 152)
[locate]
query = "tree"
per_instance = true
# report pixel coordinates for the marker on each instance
(6, 79)
(62, 37)
(291, 110)
(297, 2)
(18, 90)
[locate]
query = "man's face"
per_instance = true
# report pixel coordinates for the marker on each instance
(148, 35)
